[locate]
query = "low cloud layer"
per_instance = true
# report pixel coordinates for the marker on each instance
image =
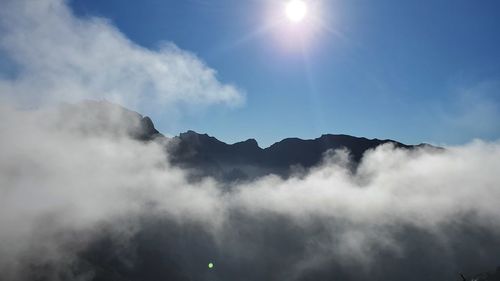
(57, 56)
(81, 200)
(78, 204)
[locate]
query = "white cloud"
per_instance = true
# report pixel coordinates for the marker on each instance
(62, 57)
(63, 178)
(420, 187)
(55, 179)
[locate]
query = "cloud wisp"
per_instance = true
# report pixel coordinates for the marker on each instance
(59, 56)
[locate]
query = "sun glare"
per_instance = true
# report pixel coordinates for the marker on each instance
(296, 10)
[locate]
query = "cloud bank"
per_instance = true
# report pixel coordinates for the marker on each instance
(79, 204)
(82, 200)
(58, 56)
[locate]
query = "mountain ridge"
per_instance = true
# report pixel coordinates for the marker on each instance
(204, 155)
(208, 156)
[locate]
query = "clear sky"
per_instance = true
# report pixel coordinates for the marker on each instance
(414, 71)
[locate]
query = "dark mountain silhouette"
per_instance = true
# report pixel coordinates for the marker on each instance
(106, 118)
(205, 155)
(245, 160)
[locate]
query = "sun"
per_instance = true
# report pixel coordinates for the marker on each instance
(296, 10)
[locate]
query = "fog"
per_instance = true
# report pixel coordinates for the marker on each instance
(78, 204)
(82, 199)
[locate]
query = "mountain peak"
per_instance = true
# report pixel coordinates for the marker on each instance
(196, 138)
(212, 157)
(248, 143)
(106, 118)
(244, 160)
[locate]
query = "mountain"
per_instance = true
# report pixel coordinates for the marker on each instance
(106, 118)
(208, 156)
(204, 155)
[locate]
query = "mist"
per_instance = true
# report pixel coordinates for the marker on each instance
(79, 204)
(83, 197)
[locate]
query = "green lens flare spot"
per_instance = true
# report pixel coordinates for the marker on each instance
(211, 265)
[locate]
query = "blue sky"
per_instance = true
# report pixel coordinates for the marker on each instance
(413, 71)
